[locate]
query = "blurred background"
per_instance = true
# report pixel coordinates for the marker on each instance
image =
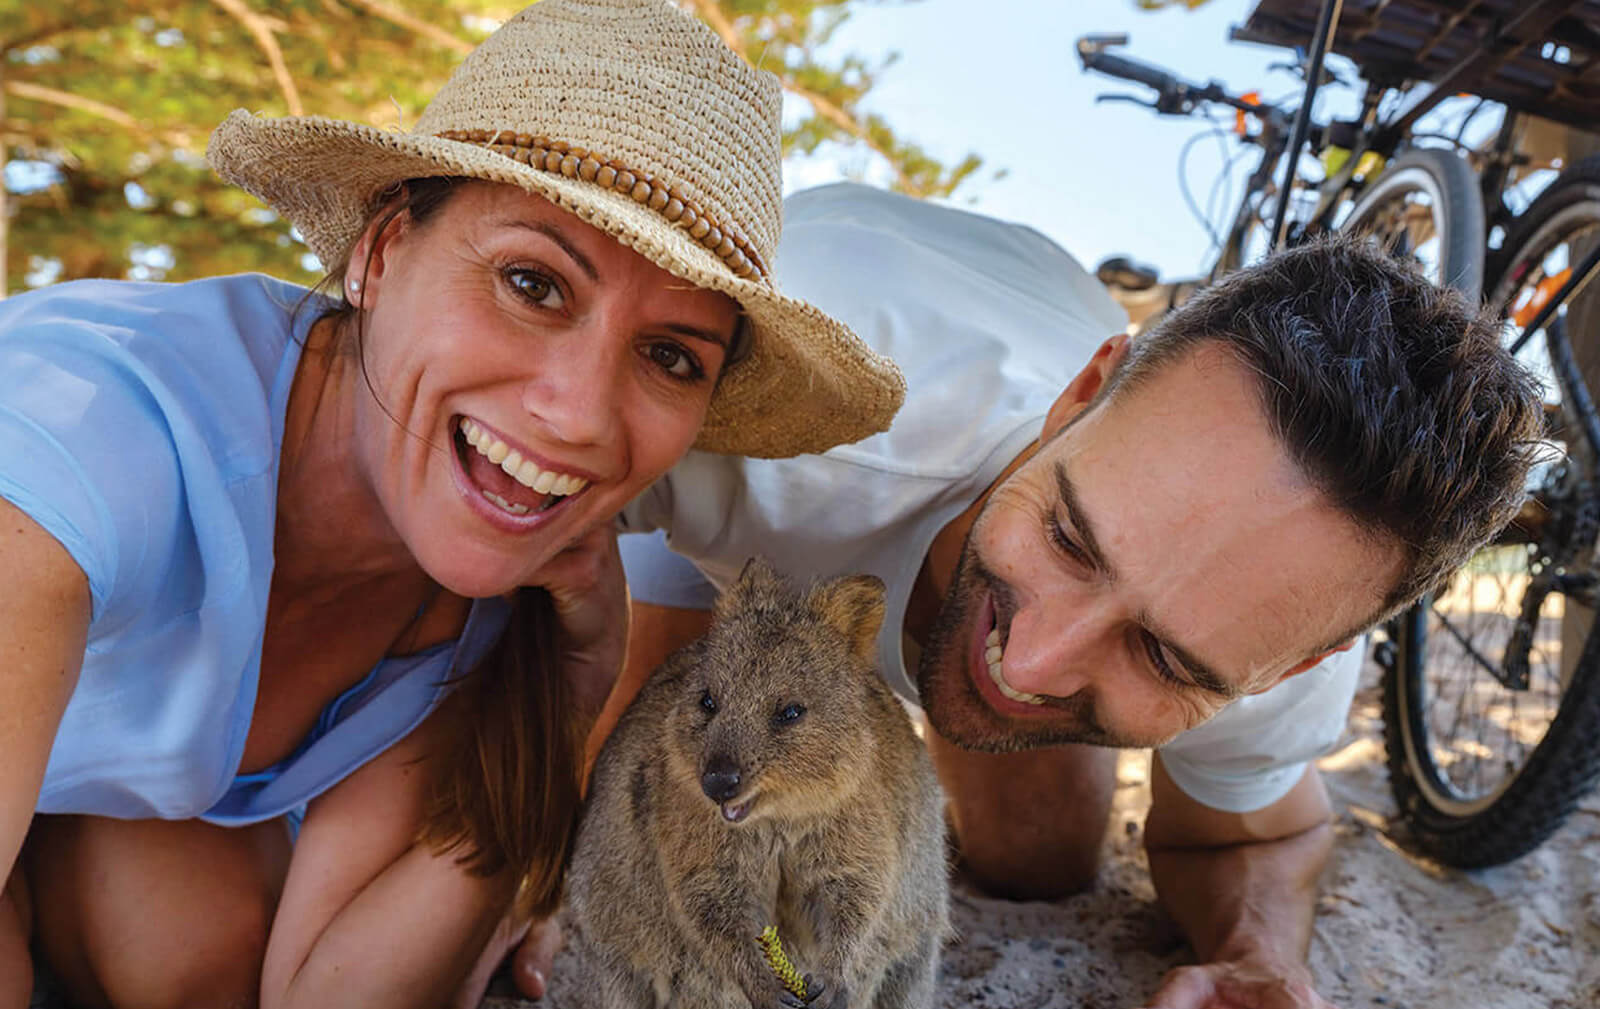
(106, 106)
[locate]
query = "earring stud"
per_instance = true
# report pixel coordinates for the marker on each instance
(355, 285)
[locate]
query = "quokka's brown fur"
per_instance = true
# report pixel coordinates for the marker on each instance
(765, 775)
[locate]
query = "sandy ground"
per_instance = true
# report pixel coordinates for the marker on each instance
(1393, 931)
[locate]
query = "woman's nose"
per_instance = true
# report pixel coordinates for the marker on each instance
(580, 387)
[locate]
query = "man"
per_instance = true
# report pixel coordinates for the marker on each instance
(1093, 544)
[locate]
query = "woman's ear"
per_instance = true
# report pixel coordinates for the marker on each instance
(1082, 390)
(369, 257)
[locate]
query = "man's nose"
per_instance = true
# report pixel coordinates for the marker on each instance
(1050, 649)
(580, 386)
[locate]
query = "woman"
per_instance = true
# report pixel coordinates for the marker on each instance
(272, 551)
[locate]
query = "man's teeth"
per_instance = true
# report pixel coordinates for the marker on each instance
(993, 654)
(524, 471)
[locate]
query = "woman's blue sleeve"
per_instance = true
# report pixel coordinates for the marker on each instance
(86, 452)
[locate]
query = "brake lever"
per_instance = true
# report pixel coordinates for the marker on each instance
(1108, 96)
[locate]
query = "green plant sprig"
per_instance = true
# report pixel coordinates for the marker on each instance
(778, 960)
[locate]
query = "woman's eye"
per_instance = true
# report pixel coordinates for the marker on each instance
(675, 361)
(788, 713)
(708, 702)
(537, 287)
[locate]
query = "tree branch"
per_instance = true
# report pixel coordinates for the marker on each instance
(256, 26)
(413, 24)
(68, 100)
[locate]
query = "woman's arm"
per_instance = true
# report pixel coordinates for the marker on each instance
(44, 624)
(369, 916)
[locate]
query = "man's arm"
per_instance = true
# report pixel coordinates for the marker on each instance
(1242, 887)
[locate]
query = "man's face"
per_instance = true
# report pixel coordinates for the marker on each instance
(1158, 558)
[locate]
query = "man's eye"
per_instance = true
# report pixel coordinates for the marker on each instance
(1158, 659)
(1063, 542)
(675, 361)
(535, 286)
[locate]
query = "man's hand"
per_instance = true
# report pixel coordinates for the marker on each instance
(590, 592)
(1238, 984)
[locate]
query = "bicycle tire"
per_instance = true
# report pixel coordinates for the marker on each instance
(1459, 220)
(1563, 766)
(1577, 185)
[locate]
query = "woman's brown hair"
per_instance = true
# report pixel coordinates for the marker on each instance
(505, 788)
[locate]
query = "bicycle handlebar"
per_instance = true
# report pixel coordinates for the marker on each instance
(1092, 54)
(1175, 96)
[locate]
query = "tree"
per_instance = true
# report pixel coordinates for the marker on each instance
(105, 107)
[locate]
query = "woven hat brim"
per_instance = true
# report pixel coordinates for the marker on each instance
(807, 384)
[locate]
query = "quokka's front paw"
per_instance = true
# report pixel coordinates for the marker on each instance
(819, 995)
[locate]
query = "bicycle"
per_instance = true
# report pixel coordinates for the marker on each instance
(1367, 187)
(1492, 695)
(1477, 659)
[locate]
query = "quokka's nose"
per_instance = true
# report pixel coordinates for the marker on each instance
(720, 779)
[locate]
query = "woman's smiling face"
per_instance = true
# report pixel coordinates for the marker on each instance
(531, 375)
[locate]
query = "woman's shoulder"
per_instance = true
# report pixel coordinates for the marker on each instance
(245, 316)
(137, 420)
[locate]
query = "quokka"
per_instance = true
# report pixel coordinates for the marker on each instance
(765, 775)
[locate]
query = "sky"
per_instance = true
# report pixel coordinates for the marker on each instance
(1001, 78)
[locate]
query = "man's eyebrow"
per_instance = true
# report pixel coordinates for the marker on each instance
(1203, 675)
(555, 235)
(1081, 523)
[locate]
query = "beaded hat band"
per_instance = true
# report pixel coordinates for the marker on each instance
(725, 240)
(637, 119)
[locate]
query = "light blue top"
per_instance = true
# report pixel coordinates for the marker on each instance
(140, 424)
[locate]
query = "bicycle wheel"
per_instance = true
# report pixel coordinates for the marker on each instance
(1425, 208)
(1492, 696)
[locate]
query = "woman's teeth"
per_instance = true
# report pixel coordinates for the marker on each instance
(993, 654)
(524, 471)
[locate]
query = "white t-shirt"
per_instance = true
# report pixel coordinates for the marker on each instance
(989, 321)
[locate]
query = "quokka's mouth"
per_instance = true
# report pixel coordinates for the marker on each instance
(734, 812)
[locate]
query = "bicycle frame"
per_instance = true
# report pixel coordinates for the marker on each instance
(1385, 138)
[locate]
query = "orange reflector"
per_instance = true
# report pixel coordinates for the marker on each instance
(1240, 118)
(1534, 300)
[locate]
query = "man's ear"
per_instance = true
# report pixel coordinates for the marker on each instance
(1086, 385)
(369, 257)
(1300, 667)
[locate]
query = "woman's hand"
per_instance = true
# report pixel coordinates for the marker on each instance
(590, 593)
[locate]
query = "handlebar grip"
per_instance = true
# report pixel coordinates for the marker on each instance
(1133, 70)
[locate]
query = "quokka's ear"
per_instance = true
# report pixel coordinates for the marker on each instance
(758, 578)
(854, 606)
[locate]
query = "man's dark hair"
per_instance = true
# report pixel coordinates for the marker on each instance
(1394, 396)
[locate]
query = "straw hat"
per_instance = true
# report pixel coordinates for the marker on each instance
(635, 117)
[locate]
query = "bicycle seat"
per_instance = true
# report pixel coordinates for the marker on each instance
(1120, 271)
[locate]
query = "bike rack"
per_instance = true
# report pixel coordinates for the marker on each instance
(1327, 20)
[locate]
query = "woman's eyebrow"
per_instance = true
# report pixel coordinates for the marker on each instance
(556, 235)
(696, 333)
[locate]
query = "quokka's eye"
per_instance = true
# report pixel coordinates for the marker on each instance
(788, 713)
(708, 702)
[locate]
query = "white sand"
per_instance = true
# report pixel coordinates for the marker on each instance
(1392, 931)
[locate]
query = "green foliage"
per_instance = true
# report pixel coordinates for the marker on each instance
(110, 103)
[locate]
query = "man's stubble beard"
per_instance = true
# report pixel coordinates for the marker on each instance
(955, 708)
